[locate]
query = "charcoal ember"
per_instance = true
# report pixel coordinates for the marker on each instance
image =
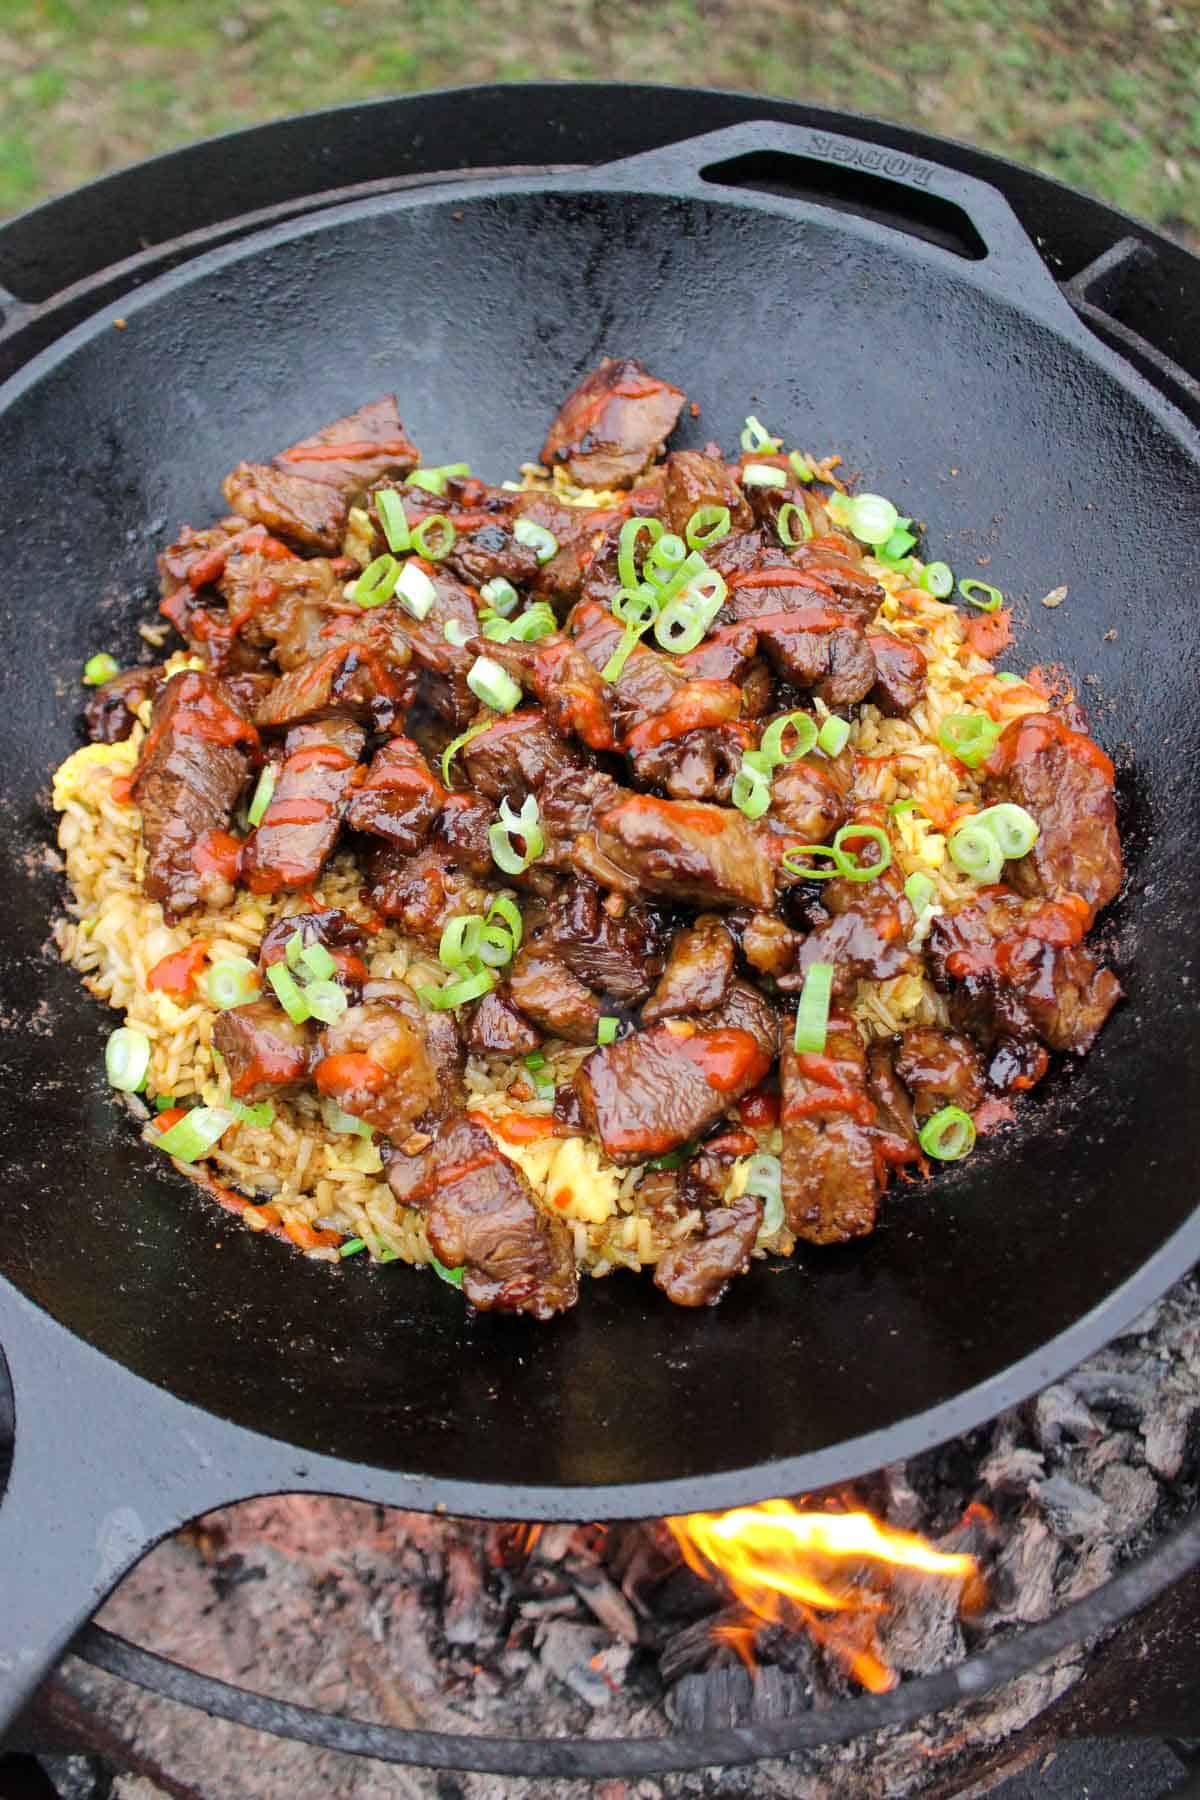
(1095, 1565)
(465, 1609)
(699, 1645)
(901, 1503)
(603, 1599)
(920, 1631)
(1058, 1413)
(1127, 1391)
(584, 1659)
(1074, 1512)
(553, 1543)
(1131, 1496)
(1165, 1434)
(1011, 1468)
(1022, 1586)
(731, 1696)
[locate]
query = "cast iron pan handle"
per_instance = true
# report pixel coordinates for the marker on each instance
(959, 214)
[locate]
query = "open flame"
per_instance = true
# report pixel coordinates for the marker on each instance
(785, 1564)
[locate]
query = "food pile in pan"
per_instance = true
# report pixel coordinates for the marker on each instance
(641, 864)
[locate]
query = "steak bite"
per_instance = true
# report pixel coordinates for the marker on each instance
(939, 1068)
(900, 670)
(709, 854)
(304, 815)
(515, 756)
(650, 1092)
(110, 714)
(698, 1271)
(265, 1052)
(694, 478)
(194, 764)
(381, 1062)
(698, 972)
(308, 512)
(368, 446)
(830, 1182)
(614, 423)
(400, 798)
(1066, 782)
(481, 1217)
(545, 990)
(617, 949)
(498, 1029)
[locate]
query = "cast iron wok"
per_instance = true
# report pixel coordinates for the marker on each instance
(166, 1361)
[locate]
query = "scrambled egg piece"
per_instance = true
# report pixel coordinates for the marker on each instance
(568, 1175)
(74, 779)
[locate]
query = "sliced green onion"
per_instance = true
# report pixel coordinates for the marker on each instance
(326, 1001)
(164, 1102)
(232, 982)
(755, 436)
(790, 862)
(100, 668)
(1014, 829)
(667, 554)
(493, 685)
(457, 993)
(975, 851)
(751, 788)
(259, 1116)
(127, 1058)
(834, 735)
(993, 598)
(937, 578)
(665, 583)
(631, 530)
(377, 583)
(683, 621)
(1006, 675)
(852, 868)
(872, 519)
(288, 992)
(537, 621)
(453, 1277)
(707, 526)
(434, 537)
(606, 1029)
(496, 946)
(535, 537)
(264, 793)
(535, 1060)
(673, 1159)
(341, 1122)
(763, 475)
(949, 1135)
(432, 480)
(764, 1178)
(193, 1137)
(500, 595)
(456, 471)
(799, 466)
(461, 937)
(394, 520)
(318, 962)
(783, 524)
(415, 591)
(458, 634)
(293, 949)
(455, 745)
(635, 606)
(620, 656)
(812, 1014)
(919, 890)
(387, 1254)
(526, 825)
(898, 545)
(352, 1246)
(771, 749)
(510, 912)
(901, 806)
(969, 736)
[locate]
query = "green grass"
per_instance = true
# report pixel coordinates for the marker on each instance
(1103, 93)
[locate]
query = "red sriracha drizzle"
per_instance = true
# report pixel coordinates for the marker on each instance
(175, 973)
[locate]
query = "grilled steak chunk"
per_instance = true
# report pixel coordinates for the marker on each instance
(811, 796)
(283, 604)
(813, 640)
(498, 1029)
(265, 1052)
(482, 1218)
(302, 820)
(698, 972)
(516, 755)
(648, 1093)
(618, 953)
(422, 892)
(342, 937)
(830, 1184)
(575, 698)
(900, 669)
(367, 679)
(865, 935)
(308, 512)
(939, 1068)
(546, 991)
(614, 423)
(693, 480)
(1066, 782)
(367, 446)
(709, 854)
(192, 768)
(377, 1063)
(110, 712)
(895, 1130)
(698, 1271)
(400, 799)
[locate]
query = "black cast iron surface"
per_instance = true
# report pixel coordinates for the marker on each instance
(165, 1361)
